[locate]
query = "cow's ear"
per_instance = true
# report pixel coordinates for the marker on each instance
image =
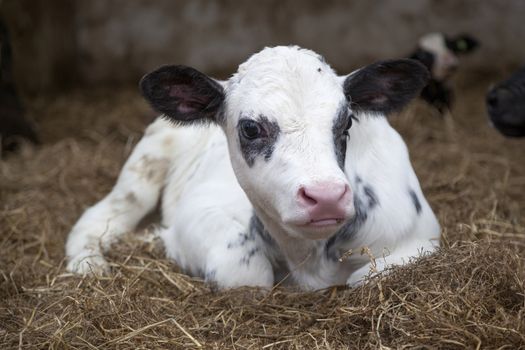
(462, 44)
(183, 94)
(385, 87)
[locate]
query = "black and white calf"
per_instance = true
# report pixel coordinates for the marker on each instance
(295, 167)
(506, 105)
(440, 54)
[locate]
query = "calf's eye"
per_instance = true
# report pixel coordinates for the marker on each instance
(250, 129)
(348, 124)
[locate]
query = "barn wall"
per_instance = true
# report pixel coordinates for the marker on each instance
(43, 39)
(116, 41)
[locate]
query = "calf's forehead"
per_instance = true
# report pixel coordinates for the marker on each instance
(285, 83)
(434, 43)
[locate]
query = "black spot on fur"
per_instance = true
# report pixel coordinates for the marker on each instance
(242, 240)
(415, 200)
(262, 146)
(371, 196)
(339, 134)
(365, 200)
(245, 260)
(257, 228)
(348, 230)
(269, 248)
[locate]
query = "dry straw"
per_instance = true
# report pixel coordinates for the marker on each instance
(470, 294)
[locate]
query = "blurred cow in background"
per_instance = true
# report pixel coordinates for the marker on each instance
(506, 105)
(13, 125)
(440, 54)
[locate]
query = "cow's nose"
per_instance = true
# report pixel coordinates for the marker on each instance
(492, 100)
(450, 60)
(325, 201)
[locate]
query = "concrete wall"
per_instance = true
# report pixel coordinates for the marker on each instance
(116, 41)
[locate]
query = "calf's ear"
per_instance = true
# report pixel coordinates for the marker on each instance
(385, 87)
(183, 94)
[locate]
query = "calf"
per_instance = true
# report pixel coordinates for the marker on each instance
(506, 105)
(440, 54)
(286, 169)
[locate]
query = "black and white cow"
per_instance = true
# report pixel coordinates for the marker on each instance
(13, 124)
(506, 105)
(282, 170)
(440, 54)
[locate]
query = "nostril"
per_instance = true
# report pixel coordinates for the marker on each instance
(492, 100)
(346, 190)
(325, 194)
(305, 198)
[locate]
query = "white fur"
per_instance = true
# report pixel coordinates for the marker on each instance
(205, 205)
(444, 59)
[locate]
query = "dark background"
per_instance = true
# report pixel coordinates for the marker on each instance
(65, 43)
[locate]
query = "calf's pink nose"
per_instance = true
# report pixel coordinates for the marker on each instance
(325, 201)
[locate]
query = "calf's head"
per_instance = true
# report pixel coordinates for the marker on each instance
(286, 117)
(440, 53)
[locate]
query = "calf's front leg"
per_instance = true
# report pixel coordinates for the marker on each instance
(134, 195)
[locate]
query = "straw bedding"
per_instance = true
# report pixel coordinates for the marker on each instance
(470, 294)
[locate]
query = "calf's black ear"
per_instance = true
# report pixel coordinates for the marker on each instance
(385, 87)
(462, 44)
(183, 94)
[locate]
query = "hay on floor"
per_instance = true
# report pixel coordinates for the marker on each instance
(470, 294)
